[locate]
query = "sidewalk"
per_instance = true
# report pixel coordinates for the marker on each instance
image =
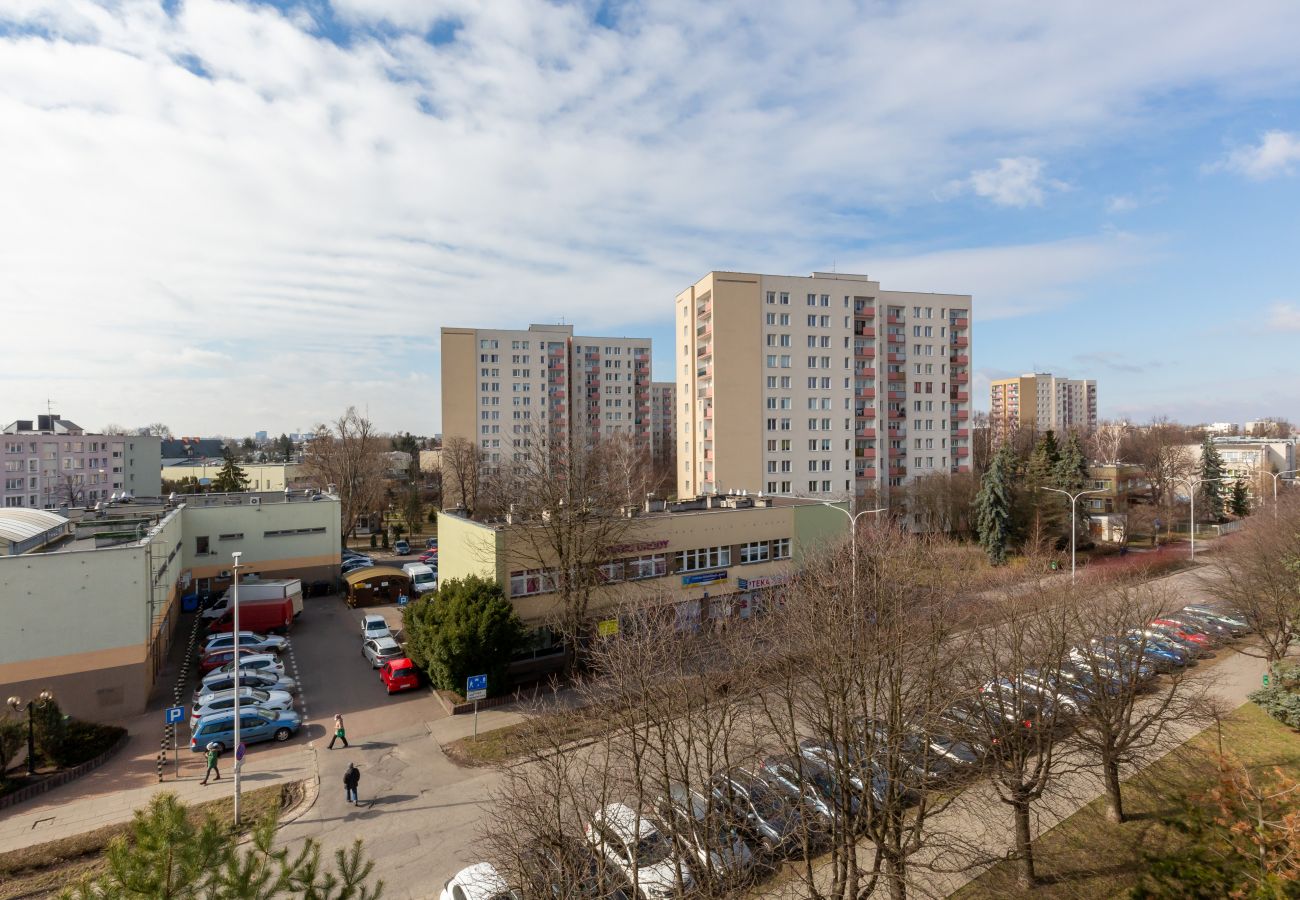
(101, 799)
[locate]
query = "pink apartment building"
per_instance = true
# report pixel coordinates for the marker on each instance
(51, 462)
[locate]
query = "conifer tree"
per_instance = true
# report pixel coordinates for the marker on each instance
(1239, 502)
(1212, 485)
(993, 505)
(231, 478)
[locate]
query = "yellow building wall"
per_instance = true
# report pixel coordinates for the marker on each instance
(261, 476)
(737, 381)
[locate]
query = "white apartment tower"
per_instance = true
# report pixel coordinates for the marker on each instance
(504, 390)
(1042, 401)
(824, 386)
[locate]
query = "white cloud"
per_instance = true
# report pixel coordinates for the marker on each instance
(227, 180)
(1284, 317)
(1016, 181)
(1277, 153)
(1121, 203)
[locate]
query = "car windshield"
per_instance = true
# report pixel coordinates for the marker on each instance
(267, 715)
(652, 848)
(259, 696)
(766, 804)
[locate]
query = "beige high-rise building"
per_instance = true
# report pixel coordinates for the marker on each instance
(824, 386)
(507, 389)
(1041, 401)
(663, 421)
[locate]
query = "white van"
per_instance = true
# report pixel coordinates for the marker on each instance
(423, 578)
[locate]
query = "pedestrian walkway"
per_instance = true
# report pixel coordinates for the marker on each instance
(91, 803)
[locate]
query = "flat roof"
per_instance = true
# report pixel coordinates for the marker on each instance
(18, 523)
(698, 506)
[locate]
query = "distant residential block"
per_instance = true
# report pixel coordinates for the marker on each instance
(1042, 401)
(51, 462)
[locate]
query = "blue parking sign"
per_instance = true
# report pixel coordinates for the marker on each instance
(175, 714)
(476, 687)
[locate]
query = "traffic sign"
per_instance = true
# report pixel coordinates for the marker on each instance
(476, 687)
(175, 714)
(239, 752)
(1265, 680)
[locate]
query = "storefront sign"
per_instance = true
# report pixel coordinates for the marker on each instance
(704, 577)
(763, 581)
(607, 627)
(639, 547)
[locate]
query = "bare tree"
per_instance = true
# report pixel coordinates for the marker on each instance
(631, 469)
(157, 429)
(68, 487)
(1106, 442)
(1257, 574)
(113, 428)
(1122, 717)
(349, 454)
(1160, 449)
(462, 472)
(943, 502)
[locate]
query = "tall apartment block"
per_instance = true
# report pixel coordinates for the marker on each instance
(1041, 401)
(51, 462)
(505, 389)
(824, 386)
(663, 422)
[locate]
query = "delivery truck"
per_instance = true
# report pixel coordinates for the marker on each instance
(271, 614)
(259, 589)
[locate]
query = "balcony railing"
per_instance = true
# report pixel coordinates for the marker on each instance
(894, 320)
(959, 359)
(960, 432)
(960, 342)
(866, 393)
(961, 452)
(865, 352)
(897, 395)
(961, 378)
(961, 415)
(960, 322)
(866, 432)
(960, 396)
(868, 412)
(897, 414)
(865, 332)
(897, 357)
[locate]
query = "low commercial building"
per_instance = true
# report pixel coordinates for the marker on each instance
(89, 612)
(261, 476)
(712, 558)
(1122, 486)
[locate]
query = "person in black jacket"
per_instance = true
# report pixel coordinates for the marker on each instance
(351, 778)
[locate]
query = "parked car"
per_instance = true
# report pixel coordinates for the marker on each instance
(764, 816)
(632, 845)
(402, 547)
(250, 697)
(1227, 617)
(399, 675)
(811, 784)
(254, 725)
(1196, 649)
(374, 626)
(262, 680)
(1106, 681)
(1163, 655)
(480, 881)
(378, 651)
(865, 776)
(1218, 634)
(567, 869)
(914, 751)
(1006, 695)
(711, 844)
(1115, 654)
(249, 642)
(431, 544)
(1235, 627)
(430, 558)
(256, 662)
(354, 564)
(1185, 632)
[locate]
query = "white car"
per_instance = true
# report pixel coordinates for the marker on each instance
(380, 650)
(221, 701)
(373, 626)
(640, 852)
(249, 641)
(711, 842)
(477, 882)
(256, 662)
(225, 681)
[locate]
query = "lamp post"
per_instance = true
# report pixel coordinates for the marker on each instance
(16, 704)
(1276, 476)
(234, 602)
(1073, 518)
(1192, 484)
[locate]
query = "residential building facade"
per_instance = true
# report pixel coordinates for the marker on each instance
(663, 424)
(505, 390)
(711, 558)
(1042, 401)
(50, 462)
(824, 386)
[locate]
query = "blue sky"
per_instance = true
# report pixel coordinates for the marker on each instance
(241, 216)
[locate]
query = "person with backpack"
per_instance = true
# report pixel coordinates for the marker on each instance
(214, 753)
(351, 778)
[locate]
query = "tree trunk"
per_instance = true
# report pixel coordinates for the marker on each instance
(1024, 844)
(896, 874)
(1114, 796)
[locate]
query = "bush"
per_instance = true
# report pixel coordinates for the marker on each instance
(467, 627)
(1287, 676)
(13, 734)
(83, 741)
(1279, 703)
(374, 541)
(385, 540)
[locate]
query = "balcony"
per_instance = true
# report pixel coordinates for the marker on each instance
(959, 359)
(867, 473)
(897, 357)
(959, 396)
(868, 453)
(866, 432)
(961, 452)
(961, 415)
(897, 414)
(894, 320)
(960, 342)
(865, 372)
(960, 432)
(706, 350)
(864, 331)
(897, 395)
(898, 471)
(865, 352)
(708, 412)
(961, 378)
(868, 412)
(866, 312)
(705, 393)
(960, 322)
(866, 393)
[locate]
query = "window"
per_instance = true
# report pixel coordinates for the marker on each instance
(771, 296)
(201, 545)
(705, 558)
(754, 552)
(785, 299)
(781, 548)
(812, 299)
(531, 581)
(233, 536)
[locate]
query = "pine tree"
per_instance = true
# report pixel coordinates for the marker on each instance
(1212, 485)
(993, 505)
(1239, 501)
(1040, 513)
(231, 478)
(1071, 475)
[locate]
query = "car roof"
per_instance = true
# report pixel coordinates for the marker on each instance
(374, 617)
(400, 662)
(481, 880)
(621, 818)
(384, 643)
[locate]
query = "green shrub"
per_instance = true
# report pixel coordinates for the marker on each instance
(374, 541)
(385, 540)
(13, 735)
(467, 627)
(1279, 703)
(1287, 676)
(83, 741)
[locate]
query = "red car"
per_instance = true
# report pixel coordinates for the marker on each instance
(1179, 631)
(399, 675)
(429, 556)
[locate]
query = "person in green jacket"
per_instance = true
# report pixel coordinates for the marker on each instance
(214, 753)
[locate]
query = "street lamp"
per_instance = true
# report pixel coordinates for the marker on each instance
(1192, 484)
(234, 603)
(1276, 476)
(16, 704)
(1073, 518)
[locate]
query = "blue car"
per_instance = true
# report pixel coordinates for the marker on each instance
(1164, 656)
(254, 725)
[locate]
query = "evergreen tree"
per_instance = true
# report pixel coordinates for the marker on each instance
(1072, 475)
(231, 478)
(284, 447)
(1044, 459)
(467, 627)
(1212, 486)
(1039, 513)
(1239, 501)
(993, 505)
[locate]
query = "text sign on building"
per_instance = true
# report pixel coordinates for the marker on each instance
(763, 581)
(476, 687)
(704, 577)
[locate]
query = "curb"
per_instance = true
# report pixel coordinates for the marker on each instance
(61, 778)
(310, 791)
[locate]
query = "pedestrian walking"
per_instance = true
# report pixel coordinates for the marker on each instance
(340, 734)
(214, 753)
(351, 778)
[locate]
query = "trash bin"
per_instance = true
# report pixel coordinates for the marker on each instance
(189, 602)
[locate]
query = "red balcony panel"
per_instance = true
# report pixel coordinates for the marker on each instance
(867, 393)
(897, 395)
(868, 372)
(962, 452)
(961, 433)
(960, 396)
(869, 453)
(897, 357)
(960, 322)
(865, 332)
(894, 320)
(867, 352)
(961, 415)
(960, 359)
(868, 412)
(866, 432)
(961, 378)
(960, 342)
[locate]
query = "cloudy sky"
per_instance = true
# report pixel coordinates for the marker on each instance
(231, 216)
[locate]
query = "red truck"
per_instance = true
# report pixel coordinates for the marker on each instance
(272, 615)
